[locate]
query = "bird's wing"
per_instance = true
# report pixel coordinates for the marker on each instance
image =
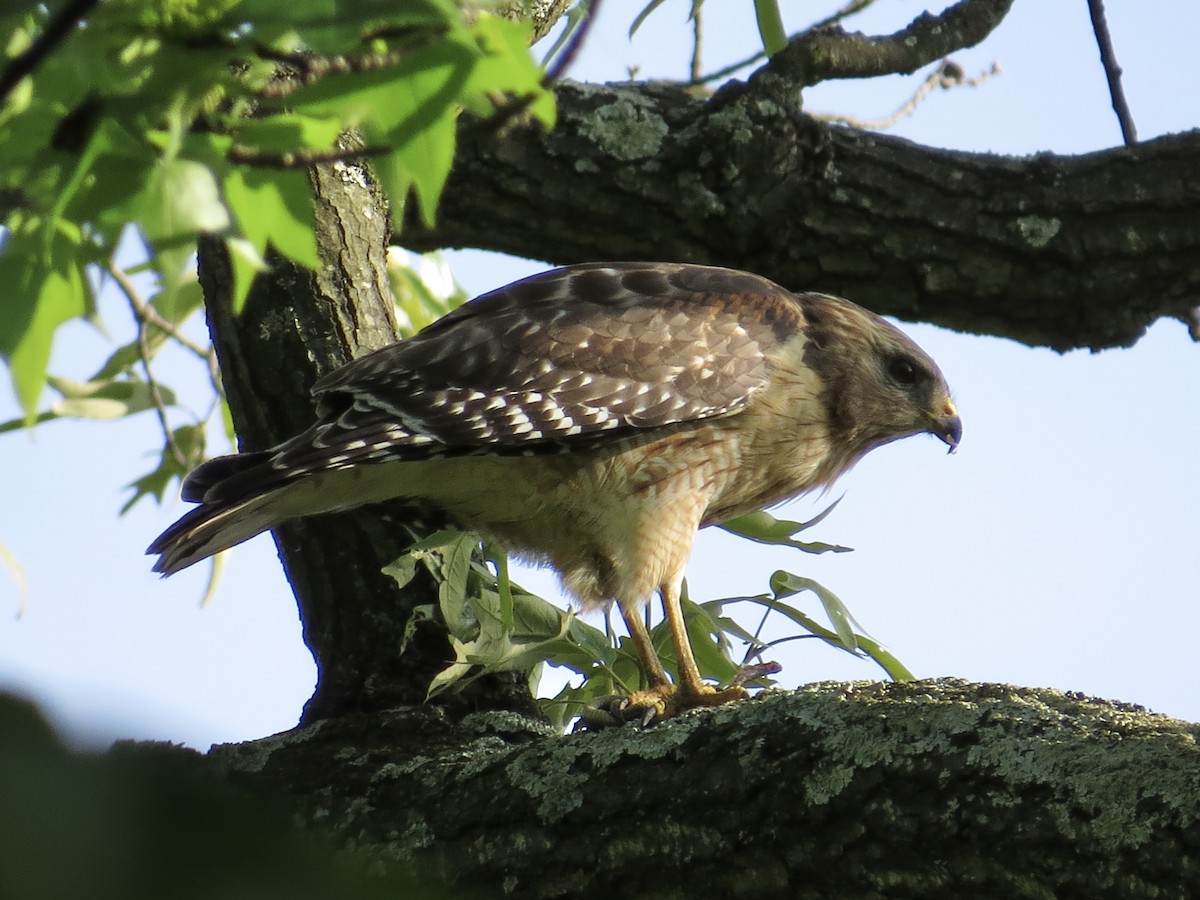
(573, 356)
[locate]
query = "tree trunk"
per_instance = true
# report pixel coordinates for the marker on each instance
(297, 326)
(921, 790)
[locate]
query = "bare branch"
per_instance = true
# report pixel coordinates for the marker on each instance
(697, 42)
(139, 307)
(1112, 71)
(948, 75)
(816, 56)
(240, 154)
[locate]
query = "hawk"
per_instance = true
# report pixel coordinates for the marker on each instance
(593, 418)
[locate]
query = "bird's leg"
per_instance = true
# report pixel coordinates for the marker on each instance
(649, 703)
(661, 699)
(652, 668)
(692, 689)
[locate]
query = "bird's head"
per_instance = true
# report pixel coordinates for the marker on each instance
(879, 386)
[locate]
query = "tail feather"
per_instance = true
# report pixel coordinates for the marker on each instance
(211, 528)
(216, 473)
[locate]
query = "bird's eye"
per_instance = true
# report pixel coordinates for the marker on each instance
(904, 371)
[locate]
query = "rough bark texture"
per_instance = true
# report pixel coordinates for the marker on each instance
(297, 326)
(927, 789)
(1049, 250)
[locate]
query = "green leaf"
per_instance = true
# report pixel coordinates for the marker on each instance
(785, 584)
(274, 207)
(44, 290)
(503, 587)
(180, 199)
(507, 68)
(290, 132)
(109, 399)
(770, 25)
(9, 561)
(643, 15)
(247, 261)
(425, 156)
(763, 528)
(190, 440)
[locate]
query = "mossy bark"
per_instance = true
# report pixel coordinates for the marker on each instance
(926, 789)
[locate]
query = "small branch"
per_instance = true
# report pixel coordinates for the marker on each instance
(242, 155)
(697, 35)
(147, 313)
(57, 30)
(1112, 71)
(206, 354)
(152, 317)
(948, 75)
(139, 307)
(727, 70)
(817, 56)
(305, 68)
(574, 45)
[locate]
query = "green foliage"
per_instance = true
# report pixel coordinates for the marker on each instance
(186, 118)
(495, 625)
(148, 821)
(770, 25)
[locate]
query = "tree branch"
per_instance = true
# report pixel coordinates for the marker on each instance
(1057, 251)
(1006, 792)
(946, 76)
(827, 53)
(1112, 71)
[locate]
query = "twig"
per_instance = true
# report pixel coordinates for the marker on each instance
(138, 306)
(1112, 71)
(574, 45)
(697, 29)
(207, 355)
(152, 316)
(306, 68)
(242, 155)
(57, 30)
(948, 75)
(727, 70)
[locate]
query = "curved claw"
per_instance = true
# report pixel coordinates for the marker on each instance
(653, 705)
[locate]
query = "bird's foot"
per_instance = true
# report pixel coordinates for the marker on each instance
(655, 704)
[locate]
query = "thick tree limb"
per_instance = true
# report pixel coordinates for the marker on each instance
(926, 789)
(1059, 251)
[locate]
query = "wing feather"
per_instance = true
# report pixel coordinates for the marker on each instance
(575, 356)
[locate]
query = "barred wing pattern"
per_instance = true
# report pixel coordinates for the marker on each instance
(571, 357)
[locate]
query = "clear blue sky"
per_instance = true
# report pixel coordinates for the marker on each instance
(1057, 548)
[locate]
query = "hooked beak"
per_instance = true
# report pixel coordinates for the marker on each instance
(947, 425)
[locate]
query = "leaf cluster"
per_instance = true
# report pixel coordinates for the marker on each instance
(188, 119)
(495, 625)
